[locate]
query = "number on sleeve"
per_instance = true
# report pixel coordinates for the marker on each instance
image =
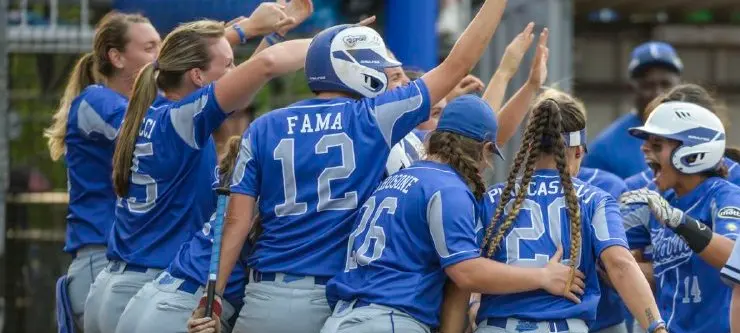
(285, 153)
(139, 178)
(374, 232)
(535, 232)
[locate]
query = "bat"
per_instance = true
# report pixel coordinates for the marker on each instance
(217, 229)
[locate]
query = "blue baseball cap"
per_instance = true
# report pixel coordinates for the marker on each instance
(471, 117)
(654, 54)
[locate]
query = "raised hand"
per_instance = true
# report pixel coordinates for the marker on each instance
(299, 10)
(467, 85)
(516, 50)
(268, 18)
(555, 278)
(538, 72)
(368, 21)
(666, 214)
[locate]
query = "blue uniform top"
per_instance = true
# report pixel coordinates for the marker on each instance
(610, 311)
(310, 164)
(418, 222)
(689, 289)
(645, 178)
(170, 194)
(194, 259)
(540, 227)
(92, 126)
(731, 272)
(615, 150)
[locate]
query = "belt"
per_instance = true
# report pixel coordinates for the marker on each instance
(560, 325)
(189, 286)
(271, 277)
(115, 265)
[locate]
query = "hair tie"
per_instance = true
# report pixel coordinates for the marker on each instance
(155, 65)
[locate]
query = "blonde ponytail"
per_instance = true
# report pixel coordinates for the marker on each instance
(142, 97)
(82, 76)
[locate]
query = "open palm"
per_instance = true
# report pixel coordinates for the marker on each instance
(300, 10)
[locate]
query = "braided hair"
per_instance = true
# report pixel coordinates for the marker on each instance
(462, 154)
(553, 114)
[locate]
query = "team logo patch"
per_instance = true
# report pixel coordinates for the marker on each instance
(729, 213)
(526, 326)
(351, 41)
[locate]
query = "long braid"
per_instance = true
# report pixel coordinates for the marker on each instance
(538, 125)
(555, 129)
(519, 160)
(462, 154)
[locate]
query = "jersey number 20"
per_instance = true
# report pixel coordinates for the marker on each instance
(362, 255)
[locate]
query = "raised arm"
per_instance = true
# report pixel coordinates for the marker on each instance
(513, 113)
(237, 87)
(509, 65)
(466, 52)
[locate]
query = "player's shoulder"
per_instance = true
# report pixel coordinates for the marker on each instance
(589, 194)
(436, 176)
(101, 98)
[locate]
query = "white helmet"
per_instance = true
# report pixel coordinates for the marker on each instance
(699, 131)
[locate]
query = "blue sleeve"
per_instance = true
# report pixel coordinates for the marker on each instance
(452, 222)
(246, 177)
(396, 112)
(197, 116)
(636, 221)
(606, 226)
(726, 213)
(731, 272)
(594, 159)
(100, 118)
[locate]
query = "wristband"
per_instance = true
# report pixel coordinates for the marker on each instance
(696, 234)
(241, 33)
(654, 326)
(274, 38)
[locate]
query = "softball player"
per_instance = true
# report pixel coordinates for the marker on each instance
(560, 212)
(731, 274)
(165, 304)
(419, 225)
(328, 153)
(693, 227)
(165, 156)
(690, 93)
(83, 130)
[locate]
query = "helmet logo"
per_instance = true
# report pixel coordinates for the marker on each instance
(351, 41)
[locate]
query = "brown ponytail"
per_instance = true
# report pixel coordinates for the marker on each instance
(462, 154)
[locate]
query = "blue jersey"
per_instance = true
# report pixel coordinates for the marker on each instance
(92, 126)
(194, 259)
(689, 289)
(731, 272)
(170, 194)
(541, 226)
(418, 222)
(645, 178)
(615, 150)
(610, 311)
(311, 164)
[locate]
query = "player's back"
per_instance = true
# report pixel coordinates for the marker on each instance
(92, 126)
(170, 194)
(540, 227)
(404, 236)
(312, 164)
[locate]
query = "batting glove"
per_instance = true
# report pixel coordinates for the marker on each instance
(665, 213)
